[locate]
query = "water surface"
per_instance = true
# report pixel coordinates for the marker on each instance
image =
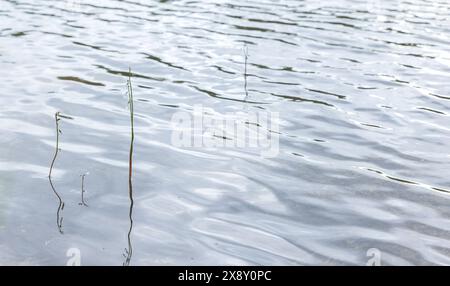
(362, 91)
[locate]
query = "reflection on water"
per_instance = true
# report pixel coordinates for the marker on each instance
(361, 88)
(129, 250)
(59, 218)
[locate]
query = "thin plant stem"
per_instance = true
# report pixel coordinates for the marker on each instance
(245, 71)
(129, 250)
(59, 218)
(83, 203)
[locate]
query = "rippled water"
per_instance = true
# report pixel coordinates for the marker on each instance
(362, 91)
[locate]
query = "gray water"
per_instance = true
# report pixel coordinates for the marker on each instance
(362, 92)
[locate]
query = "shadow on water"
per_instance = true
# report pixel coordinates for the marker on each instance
(59, 218)
(129, 251)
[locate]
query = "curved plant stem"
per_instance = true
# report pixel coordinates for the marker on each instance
(59, 218)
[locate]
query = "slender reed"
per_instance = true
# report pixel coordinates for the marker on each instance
(59, 218)
(129, 251)
(245, 71)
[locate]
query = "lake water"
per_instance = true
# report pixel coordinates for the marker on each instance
(362, 97)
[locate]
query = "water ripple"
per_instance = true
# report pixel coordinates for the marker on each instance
(362, 95)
